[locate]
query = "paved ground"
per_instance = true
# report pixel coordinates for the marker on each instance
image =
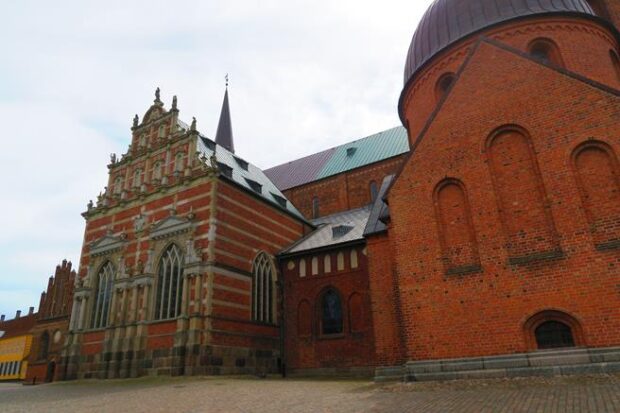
(229, 395)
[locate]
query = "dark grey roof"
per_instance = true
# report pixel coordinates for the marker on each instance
(448, 21)
(224, 135)
(380, 210)
(332, 230)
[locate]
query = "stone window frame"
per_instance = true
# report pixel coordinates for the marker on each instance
(100, 313)
(163, 259)
(264, 300)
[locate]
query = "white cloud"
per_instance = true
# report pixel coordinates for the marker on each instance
(306, 75)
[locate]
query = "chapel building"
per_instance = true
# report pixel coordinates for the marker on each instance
(481, 239)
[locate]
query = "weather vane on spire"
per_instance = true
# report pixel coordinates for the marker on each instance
(226, 79)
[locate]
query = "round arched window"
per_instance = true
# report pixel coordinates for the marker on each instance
(546, 51)
(444, 84)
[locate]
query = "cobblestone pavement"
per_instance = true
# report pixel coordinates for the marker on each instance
(235, 395)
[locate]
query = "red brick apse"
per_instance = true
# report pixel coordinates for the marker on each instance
(505, 218)
(480, 240)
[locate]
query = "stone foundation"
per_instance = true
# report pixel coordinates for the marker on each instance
(539, 363)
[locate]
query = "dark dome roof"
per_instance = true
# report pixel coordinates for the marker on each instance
(448, 21)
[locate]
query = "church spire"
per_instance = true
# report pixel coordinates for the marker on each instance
(224, 135)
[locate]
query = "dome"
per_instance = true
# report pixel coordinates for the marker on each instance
(448, 21)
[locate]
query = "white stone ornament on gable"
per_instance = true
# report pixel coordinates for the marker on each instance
(107, 244)
(171, 226)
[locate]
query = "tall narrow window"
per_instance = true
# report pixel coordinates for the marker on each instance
(263, 290)
(546, 51)
(137, 178)
(615, 61)
(315, 265)
(44, 345)
(103, 296)
(169, 284)
(443, 85)
(157, 170)
(331, 313)
(315, 207)
(162, 131)
(178, 162)
(373, 191)
(327, 264)
(118, 185)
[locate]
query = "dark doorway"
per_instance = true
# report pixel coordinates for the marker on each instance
(554, 334)
(51, 369)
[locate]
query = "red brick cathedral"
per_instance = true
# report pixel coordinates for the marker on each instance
(480, 240)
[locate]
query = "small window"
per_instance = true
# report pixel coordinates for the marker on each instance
(315, 265)
(243, 164)
(327, 264)
(137, 178)
(354, 261)
(331, 313)
(340, 261)
(545, 51)
(315, 207)
(157, 170)
(178, 162)
(373, 191)
(554, 334)
(280, 200)
(302, 268)
(118, 185)
(443, 85)
(225, 170)
(256, 187)
(615, 61)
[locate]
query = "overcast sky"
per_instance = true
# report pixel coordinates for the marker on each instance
(305, 76)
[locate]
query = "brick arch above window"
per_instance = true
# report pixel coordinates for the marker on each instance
(545, 50)
(531, 325)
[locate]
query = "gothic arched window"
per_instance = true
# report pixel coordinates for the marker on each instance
(169, 284)
(103, 296)
(263, 290)
(331, 313)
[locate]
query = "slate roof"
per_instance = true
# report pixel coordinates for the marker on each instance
(332, 230)
(246, 175)
(448, 21)
(352, 155)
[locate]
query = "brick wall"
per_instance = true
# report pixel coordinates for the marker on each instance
(306, 346)
(345, 191)
(544, 215)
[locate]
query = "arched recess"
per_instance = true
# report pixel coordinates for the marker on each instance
(357, 322)
(169, 283)
(546, 51)
(264, 299)
(443, 85)
(330, 312)
(44, 345)
(103, 295)
(552, 329)
(304, 319)
(598, 179)
(456, 231)
(615, 62)
(521, 196)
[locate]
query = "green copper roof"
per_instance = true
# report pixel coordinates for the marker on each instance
(366, 151)
(352, 155)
